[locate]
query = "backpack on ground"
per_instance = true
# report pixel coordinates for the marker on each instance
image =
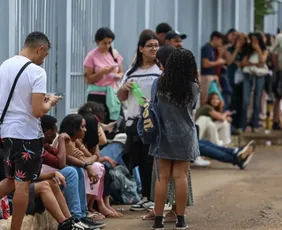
(124, 184)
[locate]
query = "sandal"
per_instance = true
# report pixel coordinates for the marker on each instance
(172, 220)
(149, 216)
(96, 216)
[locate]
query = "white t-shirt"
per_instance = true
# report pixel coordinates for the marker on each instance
(277, 49)
(144, 78)
(19, 122)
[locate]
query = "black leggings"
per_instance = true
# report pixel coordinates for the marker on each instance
(136, 154)
(107, 182)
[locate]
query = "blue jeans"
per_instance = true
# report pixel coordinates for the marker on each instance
(223, 154)
(75, 191)
(247, 90)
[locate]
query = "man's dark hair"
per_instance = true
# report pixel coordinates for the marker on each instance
(48, 122)
(163, 54)
(35, 39)
(71, 124)
(231, 31)
(163, 28)
(216, 34)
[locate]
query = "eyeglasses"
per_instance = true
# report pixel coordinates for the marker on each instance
(152, 46)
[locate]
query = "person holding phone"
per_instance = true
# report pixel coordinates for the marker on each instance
(103, 71)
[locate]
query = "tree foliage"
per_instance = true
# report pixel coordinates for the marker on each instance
(262, 8)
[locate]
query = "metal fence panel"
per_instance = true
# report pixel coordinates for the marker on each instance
(86, 19)
(71, 25)
(188, 23)
(209, 14)
(228, 15)
(4, 30)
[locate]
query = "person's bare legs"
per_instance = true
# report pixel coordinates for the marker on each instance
(104, 210)
(20, 203)
(180, 173)
(60, 198)
(6, 186)
(108, 205)
(161, 187)
(90, 202)
(44, 191)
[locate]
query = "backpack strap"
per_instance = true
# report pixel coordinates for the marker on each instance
(12, 92)
(154, 89)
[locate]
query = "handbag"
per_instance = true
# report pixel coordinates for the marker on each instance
(8, 103)
(238, 76)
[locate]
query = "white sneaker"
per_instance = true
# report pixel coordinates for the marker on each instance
(142, 205)
(201, 162)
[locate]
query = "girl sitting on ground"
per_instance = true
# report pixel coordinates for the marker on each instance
(210, 117)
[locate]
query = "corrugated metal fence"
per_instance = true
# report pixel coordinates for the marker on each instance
(71, 25)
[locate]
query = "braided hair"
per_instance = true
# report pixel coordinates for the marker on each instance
(178, 77)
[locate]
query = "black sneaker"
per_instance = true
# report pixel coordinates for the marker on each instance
(158, 224)
(245, 154)
(276, 126)
(70, 224)
(92, 224)
(142, 205)
(180, 223)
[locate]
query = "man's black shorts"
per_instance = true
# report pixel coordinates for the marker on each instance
(22, 159)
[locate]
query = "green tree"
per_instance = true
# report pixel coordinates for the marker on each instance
(262, 8)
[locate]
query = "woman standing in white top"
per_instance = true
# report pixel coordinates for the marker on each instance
(255, 70)
(143, 72)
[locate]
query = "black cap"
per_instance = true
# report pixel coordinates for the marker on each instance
(174, 34)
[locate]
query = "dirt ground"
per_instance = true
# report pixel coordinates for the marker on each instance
(227, 198)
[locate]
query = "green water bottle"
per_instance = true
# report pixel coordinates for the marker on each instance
(137, 92)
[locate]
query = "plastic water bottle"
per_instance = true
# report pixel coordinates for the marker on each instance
(137, 92)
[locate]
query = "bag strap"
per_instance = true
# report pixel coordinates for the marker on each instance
(154, 89)
(12, 92)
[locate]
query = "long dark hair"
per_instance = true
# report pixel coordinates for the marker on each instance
(219, 108)
(91, 138)
(93, 108)
(259, 37)
(144, 37)
(71, 124)
(178, 77)
(103, 33)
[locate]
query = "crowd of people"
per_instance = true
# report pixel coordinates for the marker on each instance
(96, 157)
(239, 69)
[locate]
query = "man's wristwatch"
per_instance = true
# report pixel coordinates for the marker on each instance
(85, 165)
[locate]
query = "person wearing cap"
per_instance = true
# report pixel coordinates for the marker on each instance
(161, 30)
(174, 38)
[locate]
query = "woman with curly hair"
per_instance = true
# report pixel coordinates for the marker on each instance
(177, 94)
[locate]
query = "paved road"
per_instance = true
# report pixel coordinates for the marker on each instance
(227, 198)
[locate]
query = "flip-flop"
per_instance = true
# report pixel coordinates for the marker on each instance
(96, 216)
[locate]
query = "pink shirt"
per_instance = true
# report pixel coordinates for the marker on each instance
(97, 60)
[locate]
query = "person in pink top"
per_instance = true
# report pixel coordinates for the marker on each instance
(103, 71)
